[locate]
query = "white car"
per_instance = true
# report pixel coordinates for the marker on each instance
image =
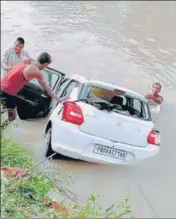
(117, 131)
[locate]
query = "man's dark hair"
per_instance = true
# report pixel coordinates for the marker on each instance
(20, 40)
(157, 84)
(44, 58)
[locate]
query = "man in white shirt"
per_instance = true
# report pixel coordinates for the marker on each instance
(14, 55)
(155, 100)
(153, 97)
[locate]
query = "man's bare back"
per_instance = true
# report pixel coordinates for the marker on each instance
(33, 71)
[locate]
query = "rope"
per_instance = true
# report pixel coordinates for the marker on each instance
(37, 164)
(152, 209)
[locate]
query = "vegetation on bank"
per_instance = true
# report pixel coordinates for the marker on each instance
(28, 197)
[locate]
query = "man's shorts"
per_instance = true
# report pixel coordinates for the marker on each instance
(9, 100)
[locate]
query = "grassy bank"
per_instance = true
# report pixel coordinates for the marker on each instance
(27, 197)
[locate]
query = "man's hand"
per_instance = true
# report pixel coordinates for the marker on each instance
(149, 96)
(157, 100)
(62, 99)
(9, 68)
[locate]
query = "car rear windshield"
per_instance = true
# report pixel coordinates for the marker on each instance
(118, 101)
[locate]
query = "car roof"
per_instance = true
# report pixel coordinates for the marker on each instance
(85, 80)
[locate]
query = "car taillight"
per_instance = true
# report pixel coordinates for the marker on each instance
(72, 113)
(154, 137)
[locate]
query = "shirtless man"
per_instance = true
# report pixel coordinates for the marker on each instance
(154, 97)
(16, 78)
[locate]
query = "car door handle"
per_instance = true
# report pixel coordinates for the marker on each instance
(43, 95)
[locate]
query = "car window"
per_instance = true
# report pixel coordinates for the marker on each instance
(138, 108)
(50, 78)
(67, 91)
(126, 103)
(136, 105)
(74, 93)
(62, 87)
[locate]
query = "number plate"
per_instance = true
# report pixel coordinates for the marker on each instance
(110, 152)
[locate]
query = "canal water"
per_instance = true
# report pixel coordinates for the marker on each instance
(130, 43)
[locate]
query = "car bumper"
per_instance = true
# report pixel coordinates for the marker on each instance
(69, 141)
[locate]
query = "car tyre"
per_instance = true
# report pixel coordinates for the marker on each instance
(49, 150)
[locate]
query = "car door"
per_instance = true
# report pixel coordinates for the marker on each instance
(65, 89)
(34, 102)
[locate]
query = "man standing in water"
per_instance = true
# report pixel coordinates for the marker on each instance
(14, 55)
(15, 79)
(154, 98)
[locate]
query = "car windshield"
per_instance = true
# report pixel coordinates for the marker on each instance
(115, 100)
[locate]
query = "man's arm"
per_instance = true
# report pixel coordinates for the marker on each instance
(41, 81)
(157, 100)
(46, 87)
(5, 66)
(31, 72)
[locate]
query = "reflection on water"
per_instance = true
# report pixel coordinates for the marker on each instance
(129, 43)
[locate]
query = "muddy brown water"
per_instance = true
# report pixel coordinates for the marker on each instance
(132, 44)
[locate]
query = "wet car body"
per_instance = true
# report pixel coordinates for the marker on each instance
(103, 136)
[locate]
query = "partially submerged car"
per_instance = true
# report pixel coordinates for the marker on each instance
(88, 127)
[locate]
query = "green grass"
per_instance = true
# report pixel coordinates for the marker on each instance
(23, 198)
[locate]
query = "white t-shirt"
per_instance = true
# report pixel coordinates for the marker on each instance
(10, 57)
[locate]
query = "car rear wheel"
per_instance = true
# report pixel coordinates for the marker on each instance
(49, 150)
